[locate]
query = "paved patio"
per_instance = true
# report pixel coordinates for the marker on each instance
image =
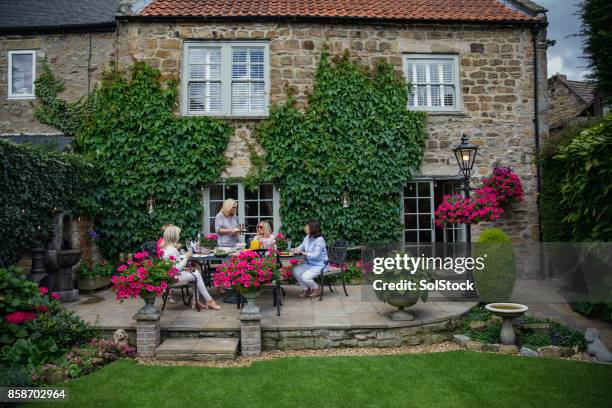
(336, 311)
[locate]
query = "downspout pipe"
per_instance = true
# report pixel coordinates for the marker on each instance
(535, 32)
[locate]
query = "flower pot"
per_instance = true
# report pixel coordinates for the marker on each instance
(149, 306)
(88, 284)
(251, 297)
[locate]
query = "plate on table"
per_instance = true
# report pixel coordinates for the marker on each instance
(286, 254)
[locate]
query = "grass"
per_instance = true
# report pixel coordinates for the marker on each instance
(455, 379)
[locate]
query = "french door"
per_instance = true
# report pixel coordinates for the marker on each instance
(418, 217)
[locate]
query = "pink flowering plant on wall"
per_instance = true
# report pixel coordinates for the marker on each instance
(506, 185)
(246, 271)
(487, 202)
(143, 275)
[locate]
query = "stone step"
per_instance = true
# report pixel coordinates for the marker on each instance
(200, 349)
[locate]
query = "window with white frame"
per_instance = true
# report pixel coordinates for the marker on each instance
(254, 206)
(21, 74)
(226, 78)
(434, 80)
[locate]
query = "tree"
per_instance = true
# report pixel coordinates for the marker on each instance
(596, 16)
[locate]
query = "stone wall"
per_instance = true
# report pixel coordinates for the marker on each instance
(497, 79)
(76, 58)
(565, 105)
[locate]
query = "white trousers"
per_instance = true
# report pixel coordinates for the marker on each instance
(305, 274)
(189, 277)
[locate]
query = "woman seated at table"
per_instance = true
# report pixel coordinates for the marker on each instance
(226, 224)
(264, 235)
(313, 247)
(172, 235)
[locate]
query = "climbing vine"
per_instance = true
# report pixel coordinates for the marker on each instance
(151, 164)
(355, 136)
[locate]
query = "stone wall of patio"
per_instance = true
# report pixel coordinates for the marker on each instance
(496, 68)
(76, 58)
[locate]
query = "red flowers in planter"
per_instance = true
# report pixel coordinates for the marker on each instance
(143, 275)
(499, 190)
(246, 271)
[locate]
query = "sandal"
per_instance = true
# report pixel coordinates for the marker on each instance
(304, 293)
(316, 293)
(211, 304)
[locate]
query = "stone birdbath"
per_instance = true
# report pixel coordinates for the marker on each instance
(508, 312)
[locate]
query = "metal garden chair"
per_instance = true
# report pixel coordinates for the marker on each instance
(336, 255)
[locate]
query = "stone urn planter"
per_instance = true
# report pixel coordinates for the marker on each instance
(251, 298)
(90, 284)
(149, 308)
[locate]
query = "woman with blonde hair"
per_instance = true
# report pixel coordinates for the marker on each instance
(264, 235)
(226, 224)
(172, 235)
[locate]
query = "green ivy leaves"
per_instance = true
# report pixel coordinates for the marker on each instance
(357, 136)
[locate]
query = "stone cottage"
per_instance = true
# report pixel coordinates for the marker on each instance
(571, 100)
(478, 67)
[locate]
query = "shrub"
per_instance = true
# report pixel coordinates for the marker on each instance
(599, 310)
(535, 340)
(14, 376)
(586, 189)
(91, 270)
(495, 281)
(36, 184)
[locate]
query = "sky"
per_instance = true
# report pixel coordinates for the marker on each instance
(564, 57)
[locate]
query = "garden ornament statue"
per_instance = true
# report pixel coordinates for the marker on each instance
(60, 257)
(120, 338)
(595, 347)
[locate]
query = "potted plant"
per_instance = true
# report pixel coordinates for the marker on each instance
(247, 272)
(145, 278)
(282, 244)
(208, 242)
(405, 298)
(93, 276)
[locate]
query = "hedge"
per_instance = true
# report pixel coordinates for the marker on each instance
(36, 185)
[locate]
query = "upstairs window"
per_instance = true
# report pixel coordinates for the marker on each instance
(435, 82)
(21, 74)
(226, 78)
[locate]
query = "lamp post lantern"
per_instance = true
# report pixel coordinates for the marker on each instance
(465, 154)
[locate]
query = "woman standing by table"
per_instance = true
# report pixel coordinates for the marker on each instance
(314, 249)
(226, 224)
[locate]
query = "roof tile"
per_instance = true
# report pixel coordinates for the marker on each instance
(449, 10)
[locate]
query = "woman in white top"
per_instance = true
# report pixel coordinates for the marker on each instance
(172, 235)
(264, 235)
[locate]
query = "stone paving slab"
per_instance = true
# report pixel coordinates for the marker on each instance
(335, 311)
(198, 346)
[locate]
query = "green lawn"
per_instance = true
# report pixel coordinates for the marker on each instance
(457, 379)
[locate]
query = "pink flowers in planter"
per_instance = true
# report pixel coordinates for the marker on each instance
(143, 275)
(245, 271)
(486, 204)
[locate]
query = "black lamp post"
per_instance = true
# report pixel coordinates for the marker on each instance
(465, 154)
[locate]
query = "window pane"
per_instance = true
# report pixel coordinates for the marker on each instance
(265, 208)
(215, 207)
(257, 96)
(435, 96)
(424, 205)
(216, 192)
(410, 221)
(411, 97)
(449, 95)
(197, 97)
(434, 76)
(239, 55)
(424, 221)
(424, 189)
(257, 71)
(425, 236)
(266, 191)
(409, 76)
(251, 209)
(410, 236)
(212, 225)
(422, 95)
(410, 205)
(257, 56)
(270, 220)
(214, 100)
(251, 195)
(21, 74)
(420, 74)
(240, 97)
(231, 191)
(239, 71)
(447, 72)
(410, 190)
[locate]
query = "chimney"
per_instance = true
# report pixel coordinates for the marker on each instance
(132, 7)
(562, 76)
